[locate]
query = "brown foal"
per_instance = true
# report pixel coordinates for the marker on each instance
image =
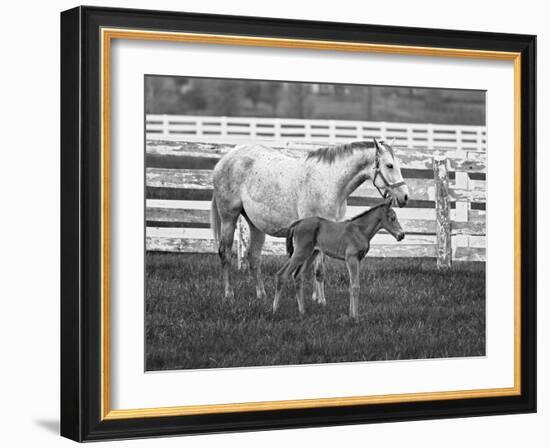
(346, 240)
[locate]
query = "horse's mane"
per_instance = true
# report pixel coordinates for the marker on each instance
(329, 154)
(366, 212)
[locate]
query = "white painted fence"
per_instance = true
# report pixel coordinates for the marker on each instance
(179, 189)
(240, 129)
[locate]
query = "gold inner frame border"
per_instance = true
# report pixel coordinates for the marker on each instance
(107, 35)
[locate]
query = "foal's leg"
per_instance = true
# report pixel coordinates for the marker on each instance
(352, 264)
(257, 239)
(278, 285)
(300, 292)
(295, 263)
(227, 233)
(319, 278)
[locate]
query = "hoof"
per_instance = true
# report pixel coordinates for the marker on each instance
(344, 318)
(243, 266)
(275, 305)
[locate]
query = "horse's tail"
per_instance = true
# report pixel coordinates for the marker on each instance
(289, 238)
(215, 221)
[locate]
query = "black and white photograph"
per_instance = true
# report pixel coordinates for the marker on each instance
(292, 223)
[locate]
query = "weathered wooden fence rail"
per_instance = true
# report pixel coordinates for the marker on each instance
(239, 129)
(445, 217)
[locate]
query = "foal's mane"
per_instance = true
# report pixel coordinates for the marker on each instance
(329, 154)
(366, 212)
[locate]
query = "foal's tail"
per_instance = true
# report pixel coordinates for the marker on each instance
(289, 238)
(215, 221)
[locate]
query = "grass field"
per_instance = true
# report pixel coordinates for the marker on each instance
(408, 310)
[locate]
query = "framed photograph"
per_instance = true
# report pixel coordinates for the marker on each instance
(276, 224)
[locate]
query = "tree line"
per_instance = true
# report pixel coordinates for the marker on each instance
(233, 97)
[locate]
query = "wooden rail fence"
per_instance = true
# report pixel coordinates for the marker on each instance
(241, 129)
(445, 217)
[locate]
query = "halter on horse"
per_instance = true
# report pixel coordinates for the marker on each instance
(378, 173)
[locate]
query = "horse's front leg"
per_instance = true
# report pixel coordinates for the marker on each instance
(318, 294)
(352, 263)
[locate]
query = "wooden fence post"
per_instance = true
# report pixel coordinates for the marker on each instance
(442, 212)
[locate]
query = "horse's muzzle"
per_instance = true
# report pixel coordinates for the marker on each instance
(402, 200)
(401, 196)
(400, 236)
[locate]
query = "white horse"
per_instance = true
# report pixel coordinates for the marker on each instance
(272, 191)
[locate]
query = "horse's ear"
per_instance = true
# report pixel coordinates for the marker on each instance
(376, 144)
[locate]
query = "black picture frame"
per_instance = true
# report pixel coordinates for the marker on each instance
(81, 224)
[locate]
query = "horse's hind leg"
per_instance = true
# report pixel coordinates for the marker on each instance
(227, 234)
(257, 239)
(319, 279)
